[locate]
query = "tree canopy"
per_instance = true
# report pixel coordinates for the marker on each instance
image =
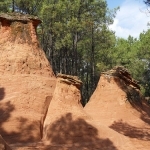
(147, 2)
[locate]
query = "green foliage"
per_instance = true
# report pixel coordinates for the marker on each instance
(5, 5)
(76, 37)
(134, 54)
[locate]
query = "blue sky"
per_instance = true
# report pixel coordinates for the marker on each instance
(114, 3)
(131, 19)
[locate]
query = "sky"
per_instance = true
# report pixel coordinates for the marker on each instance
(131, 19)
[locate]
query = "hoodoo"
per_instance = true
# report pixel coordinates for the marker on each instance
(36, 105)
(27, 81)
(68, 126)
(118, 104)
(65, 103)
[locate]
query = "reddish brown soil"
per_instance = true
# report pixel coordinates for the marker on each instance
(38, 111)
(68, 126)
(110, 106)
(27, 81)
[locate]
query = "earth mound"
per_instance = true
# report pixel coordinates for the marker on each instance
(68, 125)
(118, 104)
(27, 81)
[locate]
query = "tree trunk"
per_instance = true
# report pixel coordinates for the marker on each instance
(13, 5)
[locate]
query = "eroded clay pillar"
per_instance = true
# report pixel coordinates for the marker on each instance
(27, 81)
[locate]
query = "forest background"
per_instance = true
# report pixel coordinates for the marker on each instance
(76, 39)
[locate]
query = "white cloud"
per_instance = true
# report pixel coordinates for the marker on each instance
(131, 19)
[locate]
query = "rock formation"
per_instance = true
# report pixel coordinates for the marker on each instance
(68, 126)
(65, 102)
(118, 104)
(34, 105)
(27, 81)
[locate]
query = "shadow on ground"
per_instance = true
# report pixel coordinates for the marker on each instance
(2, 93)
(75, 135)
(131, 131)
(136, 100)
(15, 129)
(146, 114)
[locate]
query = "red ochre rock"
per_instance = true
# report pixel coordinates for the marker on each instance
(118, 104)
(67, 125)
(19, 47)
(27, 81)
(32, 107)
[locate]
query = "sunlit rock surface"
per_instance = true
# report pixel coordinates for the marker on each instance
(118, 104)
(27, 81)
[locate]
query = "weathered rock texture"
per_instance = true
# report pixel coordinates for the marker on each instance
(19, 47)
(32, 108)
(65, 102)
(69, 127)
(118, 104)
(27, 81)
(3, 144)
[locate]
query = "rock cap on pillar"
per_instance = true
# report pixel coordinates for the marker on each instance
(69, 79)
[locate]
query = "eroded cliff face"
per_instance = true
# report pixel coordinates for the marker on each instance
(27, 81)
